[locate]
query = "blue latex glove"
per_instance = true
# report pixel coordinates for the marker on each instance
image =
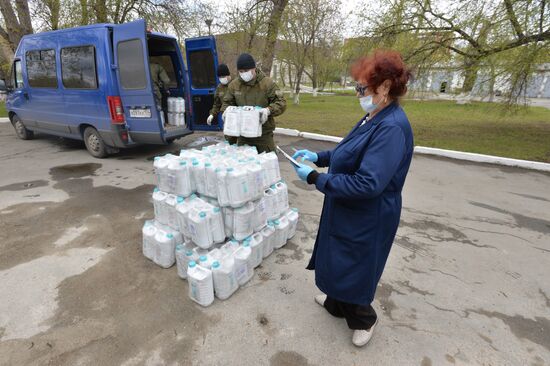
(303, 171)
(307, 155)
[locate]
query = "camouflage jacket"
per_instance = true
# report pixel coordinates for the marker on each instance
(218, 99)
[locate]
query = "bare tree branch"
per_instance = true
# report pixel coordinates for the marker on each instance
(513, 19)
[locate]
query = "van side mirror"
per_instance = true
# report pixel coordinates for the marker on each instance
(3, 86)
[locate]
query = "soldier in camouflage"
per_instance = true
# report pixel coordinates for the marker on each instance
(253, 88)
(225, 77)
(160, 81)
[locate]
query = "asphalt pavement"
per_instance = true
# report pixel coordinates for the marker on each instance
(466, 282)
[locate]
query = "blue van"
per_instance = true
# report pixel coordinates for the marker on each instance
(93, 83)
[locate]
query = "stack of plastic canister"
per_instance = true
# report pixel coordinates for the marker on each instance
(242, 121)
(176, 111)
(219, 212)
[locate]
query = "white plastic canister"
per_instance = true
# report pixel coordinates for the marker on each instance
(232, 121)
(149, 230)
(183, 185)
(281, 232)
(250, 122)
(216, 225)
(256, 179)
(242, 264)
(268, 233)
(292, 216)
(271, 203)
(161, 211)
(237, 183)
(170, 204)
(225, 281)
(243, 220)
(198, 228)
(282, 196)
(201, 284)
(165, 249)
(260, 214)
(256, 246)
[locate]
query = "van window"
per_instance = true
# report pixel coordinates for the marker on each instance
(131, 64)
(41, 69)
(166, 62)
(201, 64)
(78, 69)
(17, 75)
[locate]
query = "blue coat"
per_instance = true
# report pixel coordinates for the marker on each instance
(362, 205)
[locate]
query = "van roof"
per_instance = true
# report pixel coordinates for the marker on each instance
(86, 27)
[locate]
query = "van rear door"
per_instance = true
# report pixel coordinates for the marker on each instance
(202, 63)
(134, 83)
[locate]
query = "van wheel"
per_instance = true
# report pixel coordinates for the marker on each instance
(94, 143)
(20, 129)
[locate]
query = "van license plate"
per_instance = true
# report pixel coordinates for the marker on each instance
(140, 113)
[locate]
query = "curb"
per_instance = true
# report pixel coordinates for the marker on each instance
(452, 154)
(4, 119)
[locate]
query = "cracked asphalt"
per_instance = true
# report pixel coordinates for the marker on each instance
(466, 282)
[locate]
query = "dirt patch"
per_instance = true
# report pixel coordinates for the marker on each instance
(536, 330)
(73, 171)
(383, 294)
(24, 185)
(288, 358)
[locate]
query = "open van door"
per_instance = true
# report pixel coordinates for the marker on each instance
(202, 63)
(134, 83)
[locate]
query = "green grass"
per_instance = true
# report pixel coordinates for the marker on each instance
(3, 112)
(479, 127)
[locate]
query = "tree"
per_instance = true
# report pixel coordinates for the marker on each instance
(272, 33)
(16, 23)
(475, 33)
(307, 25)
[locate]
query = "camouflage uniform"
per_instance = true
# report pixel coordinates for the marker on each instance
(216, 107)
(160, 79)
(260, 91)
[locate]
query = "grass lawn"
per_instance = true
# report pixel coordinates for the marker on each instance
(3, 112)
(478, 127)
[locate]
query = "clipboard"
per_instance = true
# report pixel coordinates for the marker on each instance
(288, 157)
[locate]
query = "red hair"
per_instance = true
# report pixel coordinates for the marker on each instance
(382, 65)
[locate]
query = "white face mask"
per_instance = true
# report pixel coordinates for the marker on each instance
(246, 76)
(367, 104)
(224, 80)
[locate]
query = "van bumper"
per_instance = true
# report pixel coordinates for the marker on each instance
(113, 137)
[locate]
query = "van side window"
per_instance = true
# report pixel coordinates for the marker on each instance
(166, 62)
(131, 64)
(41, 69)
(78, 70)
(203, 73)
(17, 75)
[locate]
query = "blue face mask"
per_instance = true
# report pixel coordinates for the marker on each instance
(367, 104)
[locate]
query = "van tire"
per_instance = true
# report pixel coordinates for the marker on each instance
(20, 129)
(94, 143)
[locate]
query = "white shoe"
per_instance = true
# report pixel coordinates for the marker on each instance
(320, 299)
(361, 337)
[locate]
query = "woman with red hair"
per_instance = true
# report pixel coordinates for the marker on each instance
(362, 188)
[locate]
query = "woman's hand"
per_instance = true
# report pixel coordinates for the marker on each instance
(307, 155)
(303, 171)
